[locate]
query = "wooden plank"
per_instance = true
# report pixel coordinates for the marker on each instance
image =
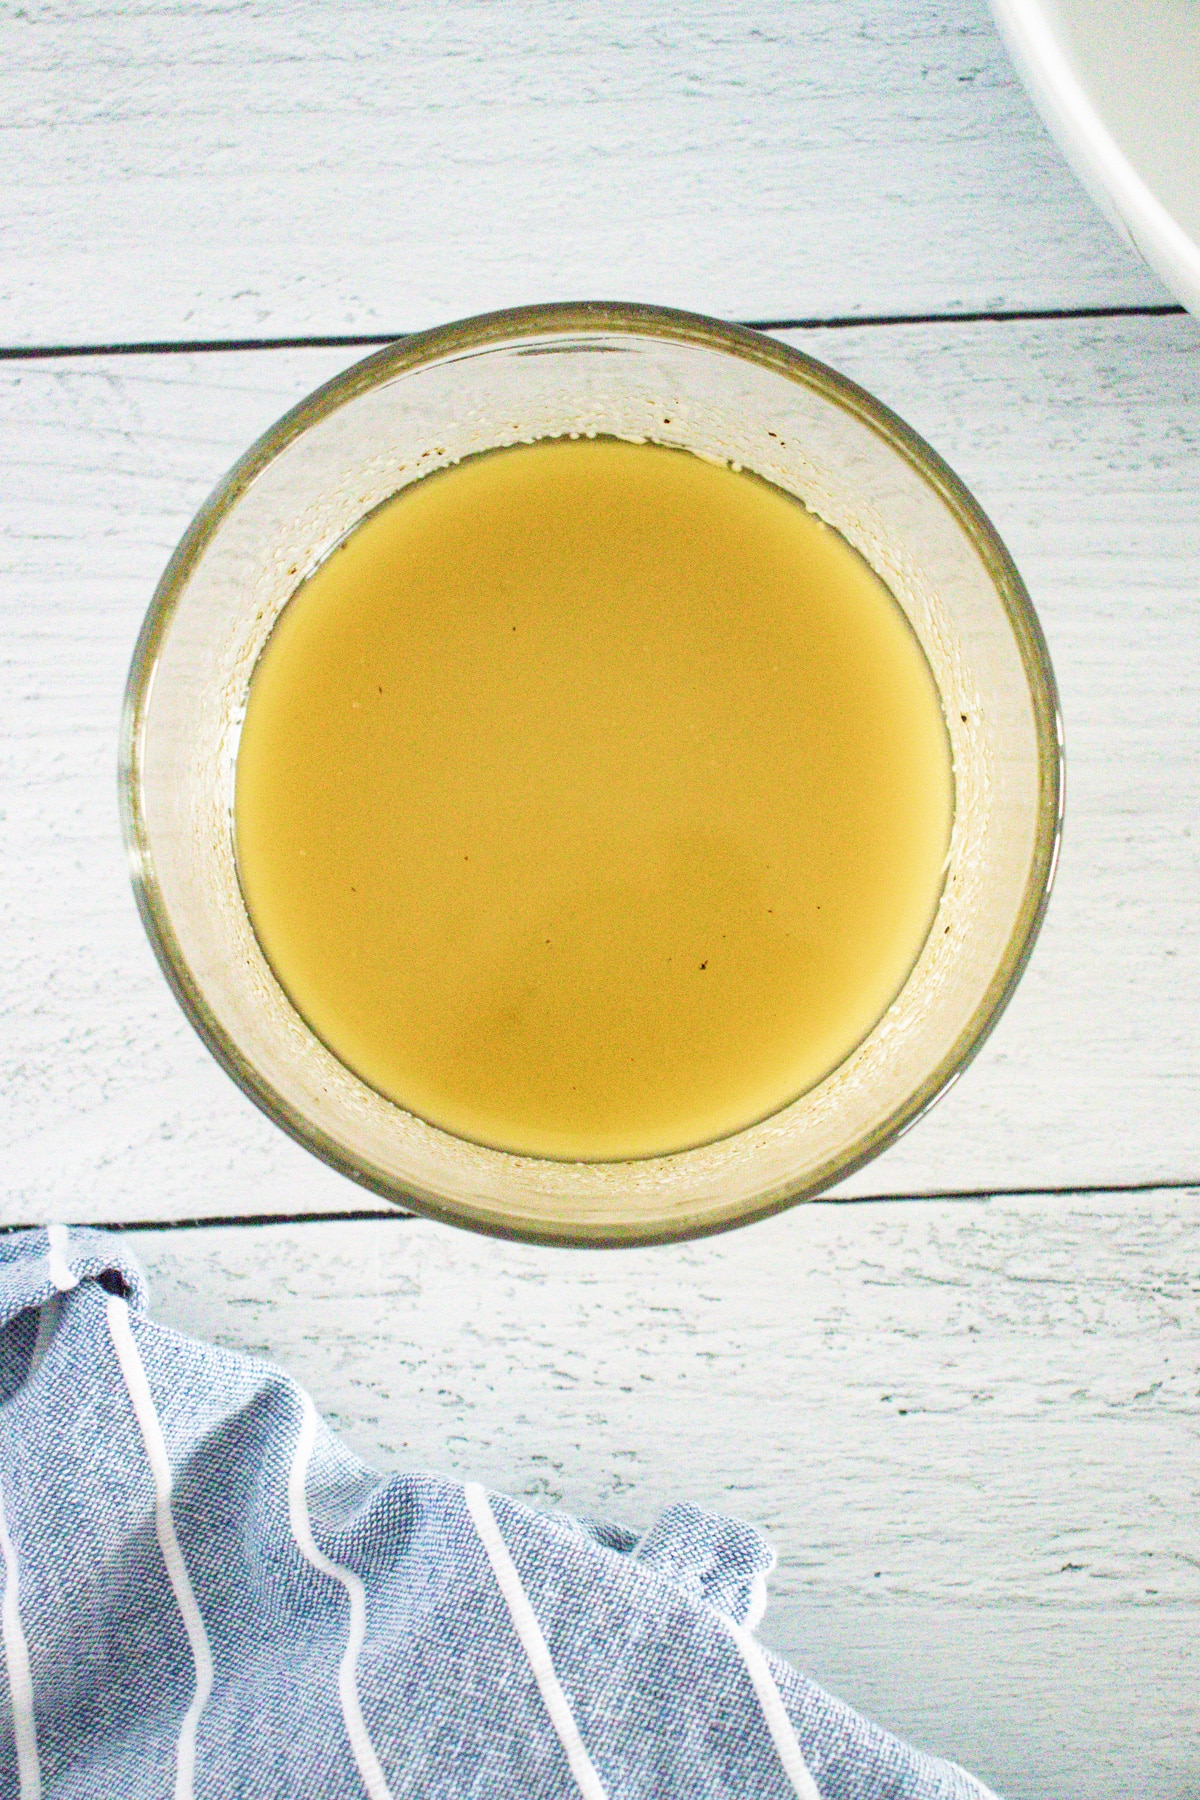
(1086, 459)
(197, 171)
(114, 1109)
(969, 1429)
(1081, 438)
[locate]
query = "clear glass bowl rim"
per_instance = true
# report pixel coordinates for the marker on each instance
(596, 318)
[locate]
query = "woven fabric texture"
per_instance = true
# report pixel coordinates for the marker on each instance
(205, 1594)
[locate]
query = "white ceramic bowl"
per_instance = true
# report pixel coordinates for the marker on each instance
(1118, 83)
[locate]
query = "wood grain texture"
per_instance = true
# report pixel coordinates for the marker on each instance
(1080, 438)
(970, 1430)
(198, 170)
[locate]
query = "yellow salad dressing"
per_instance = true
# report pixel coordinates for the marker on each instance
(593, 800)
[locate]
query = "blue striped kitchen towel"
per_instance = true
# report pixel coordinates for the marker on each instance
(206, 1594)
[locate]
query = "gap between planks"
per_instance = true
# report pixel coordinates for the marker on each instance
(352, 341)
(976, 1196)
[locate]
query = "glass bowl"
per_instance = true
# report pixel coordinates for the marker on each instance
(636, 373)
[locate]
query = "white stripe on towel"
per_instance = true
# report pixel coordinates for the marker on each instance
(164, 1525)
(61, 1273)
(373, 1778)
(20, 1687)
(533, 1643)
(783, 1736)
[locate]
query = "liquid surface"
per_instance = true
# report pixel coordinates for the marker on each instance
(592, 800)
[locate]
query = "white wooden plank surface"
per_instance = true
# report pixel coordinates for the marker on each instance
(970, 1430)
(284, 166)
(1082, 440)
